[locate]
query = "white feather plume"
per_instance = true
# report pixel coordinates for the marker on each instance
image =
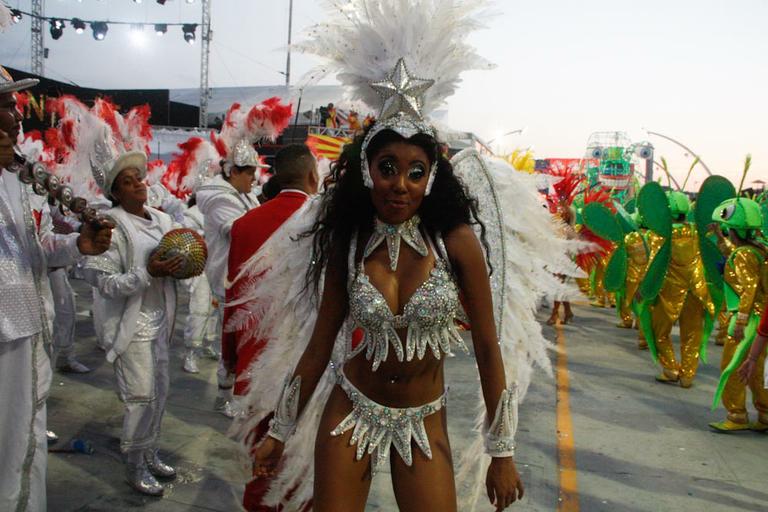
(87, 129)
(274, 294)
(527, 249)
(363, 40)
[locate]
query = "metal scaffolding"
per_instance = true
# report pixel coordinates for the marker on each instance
(288, 57)
(205, 50)
(38, 51)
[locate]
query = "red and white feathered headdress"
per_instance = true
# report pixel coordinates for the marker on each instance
(198, 161)
(245, 125)
(92, 145)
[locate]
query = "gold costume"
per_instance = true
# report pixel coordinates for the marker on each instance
(743, 275)
(724, 316)
(723, 320)
(636, 264)
(602, 298)
(684, 297)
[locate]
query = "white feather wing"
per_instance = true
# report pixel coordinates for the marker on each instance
(275, 295)
(526, 250)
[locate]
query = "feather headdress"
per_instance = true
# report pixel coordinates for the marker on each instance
(244, 125)
(401, 57)
(93, 139)
(363, 41)
(199, 160)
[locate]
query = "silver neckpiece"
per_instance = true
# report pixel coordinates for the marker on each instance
(408, 231)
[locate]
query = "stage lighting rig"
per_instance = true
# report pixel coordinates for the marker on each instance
(57, 28)
(161, 29)
(189, 32)
(15, 15)
(99, 30)
(78, 25)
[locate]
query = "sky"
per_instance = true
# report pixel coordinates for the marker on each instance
(694, 70)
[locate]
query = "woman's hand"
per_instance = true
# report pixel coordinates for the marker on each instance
(747, 370)
(162, 268)
(738, 332)
(266, 457)
(503, 483)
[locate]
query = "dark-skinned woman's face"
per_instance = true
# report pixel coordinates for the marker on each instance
(400, 172)
(129, 187)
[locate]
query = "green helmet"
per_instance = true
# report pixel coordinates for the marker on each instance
(740, 214)
(678, 203)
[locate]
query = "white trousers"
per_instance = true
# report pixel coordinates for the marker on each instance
(25, 378)
(142, 381)
(98, 314)
(64, 310)
(203, 322)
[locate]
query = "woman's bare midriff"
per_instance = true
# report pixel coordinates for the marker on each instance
(395, 383)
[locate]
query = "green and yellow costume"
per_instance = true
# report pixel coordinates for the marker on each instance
(746, 291)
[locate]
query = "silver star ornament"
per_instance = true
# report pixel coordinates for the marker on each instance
(401, 92)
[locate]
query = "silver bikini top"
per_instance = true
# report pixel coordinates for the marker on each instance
(429, 315)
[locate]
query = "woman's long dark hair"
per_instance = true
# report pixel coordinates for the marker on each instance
(347, 208)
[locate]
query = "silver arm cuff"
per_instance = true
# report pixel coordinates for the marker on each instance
(283, 424)
(500, 436)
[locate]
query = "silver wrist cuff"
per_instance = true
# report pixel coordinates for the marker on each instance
(500, 436)
(283, 424)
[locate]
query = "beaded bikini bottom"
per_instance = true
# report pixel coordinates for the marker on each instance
(378, 427)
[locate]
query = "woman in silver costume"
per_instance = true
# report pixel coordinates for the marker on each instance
(140, 306)
(394, 237)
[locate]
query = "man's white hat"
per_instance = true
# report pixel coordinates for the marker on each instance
(106, 174)
(8, 84)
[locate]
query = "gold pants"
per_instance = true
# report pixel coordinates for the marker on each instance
(735, 392)
(627, 316)
(723, 319)
(673, 305)
(601, 297)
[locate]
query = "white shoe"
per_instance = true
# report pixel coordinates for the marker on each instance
(210, 353)
(225, 407)
(190, 362)
(141, 480)
(157, 467)
(73, 366)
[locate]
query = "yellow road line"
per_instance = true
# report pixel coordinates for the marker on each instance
(566, 451)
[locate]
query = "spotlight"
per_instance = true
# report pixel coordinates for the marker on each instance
(137, 34)
(57, 29)
(189, 32)
(161, 29)
(16, 15)
(190, 1)
(78, 25)
(99, 30)
(137, 1)
(161, 2)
